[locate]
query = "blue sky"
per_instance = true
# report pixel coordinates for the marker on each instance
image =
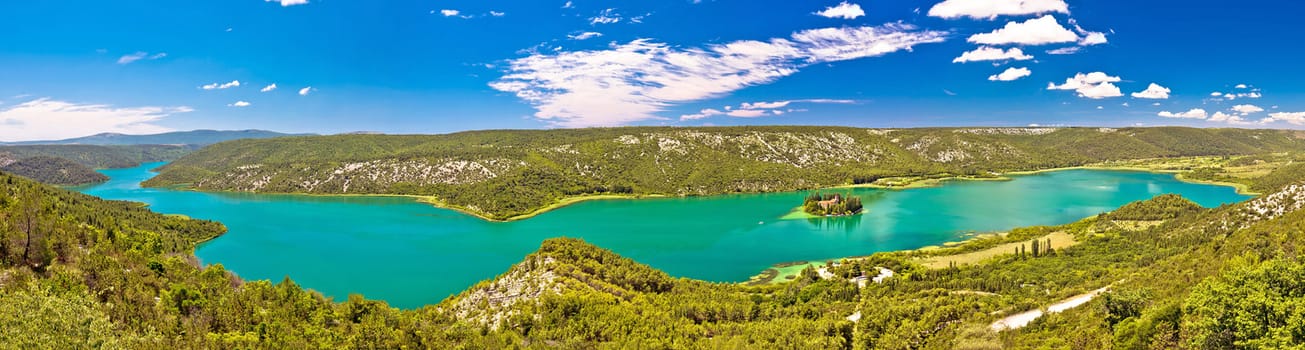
(71, 68)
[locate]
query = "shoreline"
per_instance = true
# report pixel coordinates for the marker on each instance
(914, 184)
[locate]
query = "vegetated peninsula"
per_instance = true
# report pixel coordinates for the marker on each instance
(76, 164)
(1162, 274)
(831, 205)
(507, 174)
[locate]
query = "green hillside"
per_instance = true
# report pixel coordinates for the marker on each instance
(81, 272)
(54, 171)
(194, 137)
(508, 173)
(97, 157)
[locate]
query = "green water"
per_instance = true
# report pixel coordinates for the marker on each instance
(411, 254)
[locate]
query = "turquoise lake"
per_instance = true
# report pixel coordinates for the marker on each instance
(411, 254)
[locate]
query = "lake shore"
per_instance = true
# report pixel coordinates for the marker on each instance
(905, 183)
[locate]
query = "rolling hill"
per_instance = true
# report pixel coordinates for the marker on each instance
(510, 173)
(87, 273)
(195, 137)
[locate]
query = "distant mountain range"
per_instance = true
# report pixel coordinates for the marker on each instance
(195, 137)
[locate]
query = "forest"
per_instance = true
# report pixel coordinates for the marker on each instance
(506, 174)
(81, 272)
(72, 165)
(831, 204)
(54, 171)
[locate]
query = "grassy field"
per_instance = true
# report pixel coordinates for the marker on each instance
(1059, 240)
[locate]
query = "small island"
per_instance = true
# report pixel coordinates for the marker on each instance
(831, 205)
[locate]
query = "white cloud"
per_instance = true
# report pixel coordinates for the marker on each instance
(1228, 118)
(607, 16)
(449, 12)
(988, 53)
(1154, 91)
(239, 104)
(1216, 94)
(1095, 85)
(140, 55)
(221, 86)
(844, 10)
(584, 36)
(1065, 50)
(1195, 113)
(305, 91)
(757, 109)
(1241, 86)
(990, 9)
(286, 3)
(268, 88)
(1093, 38)
(1038, 31)
(47, 119)
(568, 5)
(1297, 118)
(497, 13)
(1011, 74)
(1247, 109)
(634, 81)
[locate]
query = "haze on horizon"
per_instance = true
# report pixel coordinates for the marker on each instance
(72, 69)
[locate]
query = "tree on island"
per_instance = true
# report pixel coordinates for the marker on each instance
(831, 205)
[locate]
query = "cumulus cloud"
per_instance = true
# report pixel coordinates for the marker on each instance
(844, 10)
(287, 3)
(140, 55)
(47, 119)
(221, 86)
(1095, 85)
(584, 36)
(450, 12)
(1229, 118)
(268, 88)
(634, 81)
(990, 9)
(239, 104)
(1011, 74)
(1037, 31)
(988, 53)
(1247, 109)
(1195, 113)
(1154, 92)
(306, 90)
(1296, 118)
(1241, 86)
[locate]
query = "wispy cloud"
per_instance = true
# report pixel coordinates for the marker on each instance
(140, 55)
(239, 104)
(306, 90)
(991, 9)
(221, 86)
(1296, 118)
(606, 16)
(634, 81)
(584, 35)
(757, 109)
(843, 10)
(48, 119)
(288, 3)
(268, 88)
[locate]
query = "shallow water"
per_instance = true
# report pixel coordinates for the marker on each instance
(411, 254)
